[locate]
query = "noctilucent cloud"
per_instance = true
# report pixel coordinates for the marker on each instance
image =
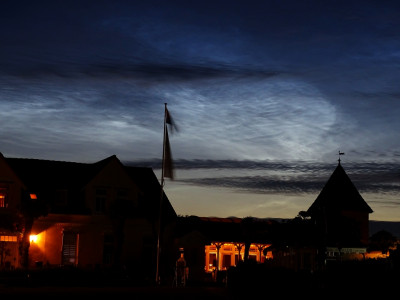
(265, 95)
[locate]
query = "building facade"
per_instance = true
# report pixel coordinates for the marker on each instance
(103, 215)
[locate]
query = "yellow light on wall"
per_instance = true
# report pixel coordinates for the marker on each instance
(33, 238)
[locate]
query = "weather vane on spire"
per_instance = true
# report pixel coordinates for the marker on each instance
(340, 153)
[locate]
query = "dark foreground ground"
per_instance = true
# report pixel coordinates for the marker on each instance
(361, 291)
(242, 283)
(57, 292)
(77, 284)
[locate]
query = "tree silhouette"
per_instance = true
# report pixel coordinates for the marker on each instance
(382, 241)
(303, 215)
(247, 228)
(31, 209)
(4, 252)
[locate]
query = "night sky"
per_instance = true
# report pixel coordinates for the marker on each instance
(265, 95)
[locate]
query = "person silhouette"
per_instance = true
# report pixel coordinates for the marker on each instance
(181, 270)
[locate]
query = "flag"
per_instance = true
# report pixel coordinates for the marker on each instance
(170, 121)
(168, 163)
(167, 171)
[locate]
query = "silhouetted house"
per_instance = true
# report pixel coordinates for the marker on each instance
(336, 227)
(103, 214)
(341, 217)
(294, 245)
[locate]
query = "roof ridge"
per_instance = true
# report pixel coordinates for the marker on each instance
(337, 190)
(46, 160)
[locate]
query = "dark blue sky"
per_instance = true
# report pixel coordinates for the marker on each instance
(286, 83)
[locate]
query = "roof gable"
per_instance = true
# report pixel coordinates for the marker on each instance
(339, 194)
(36, 173)
(148, 183)
(45, 176)
(7, 172)
(110, 171)
(40, 173)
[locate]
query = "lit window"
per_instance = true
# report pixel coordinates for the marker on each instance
(33, 196)
(2, 200)
(8, 238)
(70, 248)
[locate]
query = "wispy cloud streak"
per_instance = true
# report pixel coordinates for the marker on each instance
(284, 177)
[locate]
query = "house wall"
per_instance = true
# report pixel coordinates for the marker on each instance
(139, 238)
(138, 246)
(91, 244)
(49, 230)
(298, 259)
(122, 222)
(10, 237)
(46, 249)
(13, 186)
(362, 221)
(113, 179)
(91, 241)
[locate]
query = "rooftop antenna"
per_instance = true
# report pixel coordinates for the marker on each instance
(340, 153)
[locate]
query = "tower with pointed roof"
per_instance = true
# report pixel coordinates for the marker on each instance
(340, 213)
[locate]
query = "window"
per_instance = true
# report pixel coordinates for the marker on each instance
(213, 259)
(101, 199)
(236, 259)
(70, 248)
(3, 198)
(226, 261)
(8, 238)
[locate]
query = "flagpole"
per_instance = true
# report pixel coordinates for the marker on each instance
(161, 195)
